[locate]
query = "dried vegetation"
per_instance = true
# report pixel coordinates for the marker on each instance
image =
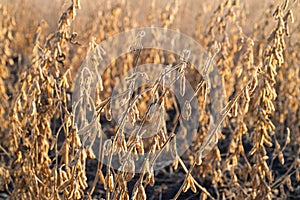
(249, 150)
